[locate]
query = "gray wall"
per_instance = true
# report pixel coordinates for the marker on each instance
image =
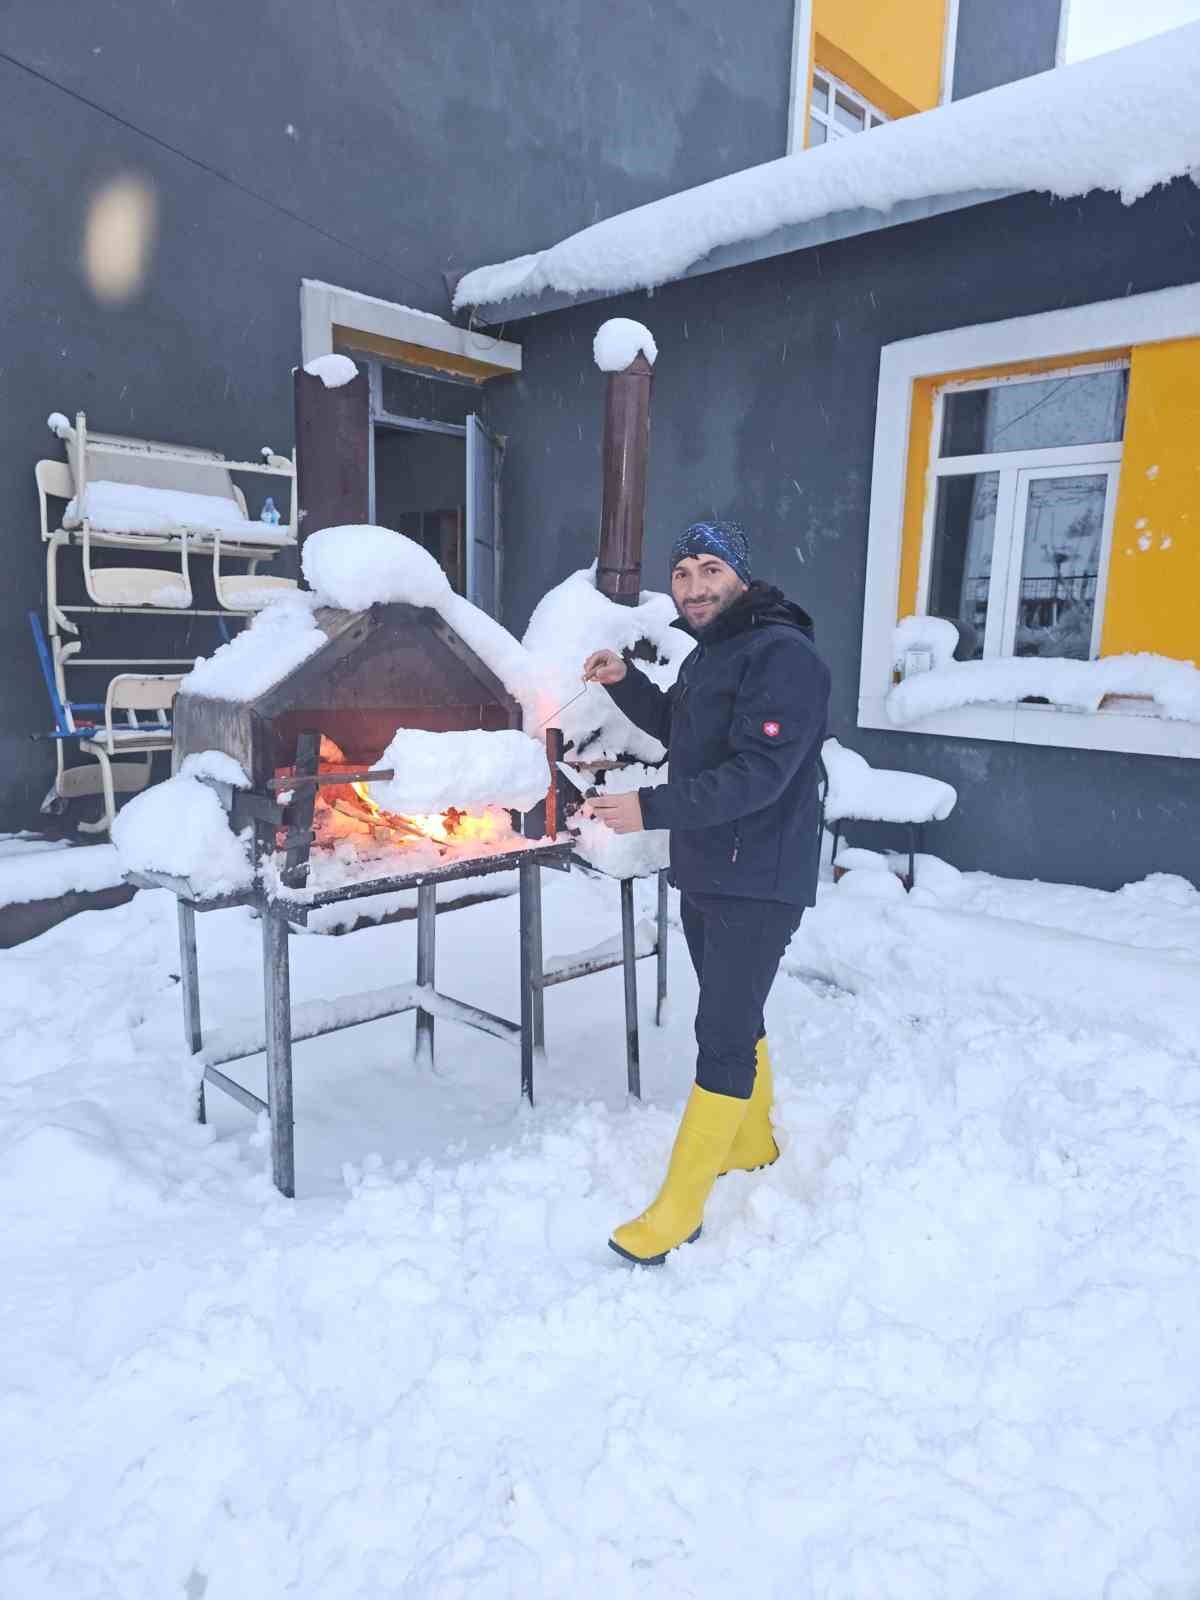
(1002, 40)
(373, 144)
(764, 409)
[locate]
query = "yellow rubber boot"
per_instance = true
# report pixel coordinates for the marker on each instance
(755, 1144)
(706, 1134)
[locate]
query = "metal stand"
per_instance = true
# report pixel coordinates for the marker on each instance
(277, 998)
(539, 980)
(426, 965)
(285, 1024)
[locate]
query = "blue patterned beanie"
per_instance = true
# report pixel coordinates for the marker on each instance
(725, 540)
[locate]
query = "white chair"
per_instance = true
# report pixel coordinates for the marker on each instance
(859, 792)
(124, 735)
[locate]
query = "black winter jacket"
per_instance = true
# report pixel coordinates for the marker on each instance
(744, 723)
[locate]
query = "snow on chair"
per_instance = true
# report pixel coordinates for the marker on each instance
(124, 735)
(858, 792)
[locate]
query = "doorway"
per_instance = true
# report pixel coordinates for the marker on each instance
(435, 472)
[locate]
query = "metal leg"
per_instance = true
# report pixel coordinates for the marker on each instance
(189, 981)
(278, 998)
(426, 964)
(629, 963)
(661, 927)
(532, 1013)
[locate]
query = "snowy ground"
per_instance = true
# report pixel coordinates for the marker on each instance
(947, 1346)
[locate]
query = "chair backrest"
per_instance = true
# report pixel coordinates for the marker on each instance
(54, 477)
(133, 691)
(123, 458)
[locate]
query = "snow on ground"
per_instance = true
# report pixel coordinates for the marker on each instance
(33, 868)
(1062, 133)
(945, 1347)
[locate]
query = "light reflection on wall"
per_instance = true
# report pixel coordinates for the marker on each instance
(120, 229)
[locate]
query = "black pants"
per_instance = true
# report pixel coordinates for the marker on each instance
(736, 947)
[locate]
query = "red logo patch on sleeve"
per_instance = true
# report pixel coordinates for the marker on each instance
(771, 729)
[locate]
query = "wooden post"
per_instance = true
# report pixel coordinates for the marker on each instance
(333, 453)
(625, 454)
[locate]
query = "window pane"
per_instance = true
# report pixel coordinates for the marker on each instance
(820, 94)
(432, 399)
(1089, 409)
(963, 534)
(848, 114)
(817, 132)
(1064, 526)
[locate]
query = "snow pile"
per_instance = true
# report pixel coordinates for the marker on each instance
(434, 771)
(278, 639)
(862, 793)
(946, 1346)
(620, 341)
(216, 766)
(59, 425)
(569, 623)
(180, 828)
(1173, 686)
(134, 508)
(354, 567)
(934, 634)
(45, 869)
(333, 371)
(624, 855)
(864, 883)
(1064, 133)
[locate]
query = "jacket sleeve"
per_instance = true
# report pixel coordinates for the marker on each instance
(644, 703)
(778, 717)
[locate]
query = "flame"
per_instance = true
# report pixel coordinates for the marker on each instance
(447, 827)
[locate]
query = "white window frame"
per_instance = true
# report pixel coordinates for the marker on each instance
(1136, 319)
(873, 117)
(1016, 469)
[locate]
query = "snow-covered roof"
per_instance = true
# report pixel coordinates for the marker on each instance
(1123, 122)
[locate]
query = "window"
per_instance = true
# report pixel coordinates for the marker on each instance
(836, 110)
(1020, 517)
(1034, 479)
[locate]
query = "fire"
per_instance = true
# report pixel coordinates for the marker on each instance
(446, 827)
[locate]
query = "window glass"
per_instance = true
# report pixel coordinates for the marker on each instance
(1088, 409)
(431, 399)
(817, 132)
(848, 114)
(961, 569)
(820, 94)
(1063, 534)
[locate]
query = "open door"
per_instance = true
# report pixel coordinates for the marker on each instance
(484, 455)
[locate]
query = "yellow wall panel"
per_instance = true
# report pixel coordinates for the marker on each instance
(1153, 598)
(890, 53)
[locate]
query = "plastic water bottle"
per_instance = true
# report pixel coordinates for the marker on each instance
(269, 512)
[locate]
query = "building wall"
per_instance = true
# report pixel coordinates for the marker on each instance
(371, 145)
(764, 409)
(1001, 43)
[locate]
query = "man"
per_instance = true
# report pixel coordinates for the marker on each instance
(744, 723)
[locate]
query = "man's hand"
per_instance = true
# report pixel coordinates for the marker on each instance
(604, 666)
(622, 812)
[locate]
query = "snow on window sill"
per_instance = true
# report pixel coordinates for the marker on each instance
(1115, 728)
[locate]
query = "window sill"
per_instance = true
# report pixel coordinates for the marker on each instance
(1127, 731)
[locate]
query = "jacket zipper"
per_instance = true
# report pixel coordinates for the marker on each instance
(737, 845)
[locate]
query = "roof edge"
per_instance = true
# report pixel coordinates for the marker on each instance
(781, 241)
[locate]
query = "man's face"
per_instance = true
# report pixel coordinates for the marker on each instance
(702, 587)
